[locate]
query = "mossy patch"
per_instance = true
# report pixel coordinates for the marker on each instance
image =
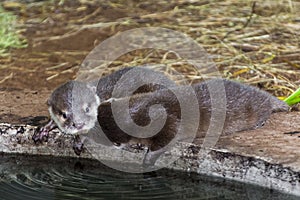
(9, 36)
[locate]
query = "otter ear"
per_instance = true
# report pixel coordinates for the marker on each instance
(48, 102)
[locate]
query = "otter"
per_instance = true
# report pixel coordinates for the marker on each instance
(73, 105)
(247, 108)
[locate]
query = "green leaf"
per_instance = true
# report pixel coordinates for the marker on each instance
(293, 98)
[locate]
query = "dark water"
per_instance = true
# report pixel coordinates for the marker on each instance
(29, 177)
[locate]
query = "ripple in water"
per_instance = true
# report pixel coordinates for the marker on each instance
(32, 177)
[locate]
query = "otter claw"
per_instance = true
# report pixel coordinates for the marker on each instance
(78, 148)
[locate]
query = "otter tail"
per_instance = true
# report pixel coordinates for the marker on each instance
(278, 105)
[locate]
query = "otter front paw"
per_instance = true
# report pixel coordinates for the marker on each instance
(41, 134)
(78, 145)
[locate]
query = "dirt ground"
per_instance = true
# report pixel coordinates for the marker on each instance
(254, 42)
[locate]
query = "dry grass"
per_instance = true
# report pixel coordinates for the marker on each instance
(252, 42)
(256, 42)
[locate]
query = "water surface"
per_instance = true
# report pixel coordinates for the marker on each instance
(33, 177)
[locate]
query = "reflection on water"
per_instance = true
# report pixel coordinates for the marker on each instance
(31, 177)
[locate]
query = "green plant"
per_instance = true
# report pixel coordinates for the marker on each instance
(293, 98)
(9, 37)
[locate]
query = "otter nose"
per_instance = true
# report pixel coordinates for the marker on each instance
(78, 125)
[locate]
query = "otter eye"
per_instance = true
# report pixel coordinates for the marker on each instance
(64, 115)
(87, 109)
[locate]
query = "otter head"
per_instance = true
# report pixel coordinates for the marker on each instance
(73, 107)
